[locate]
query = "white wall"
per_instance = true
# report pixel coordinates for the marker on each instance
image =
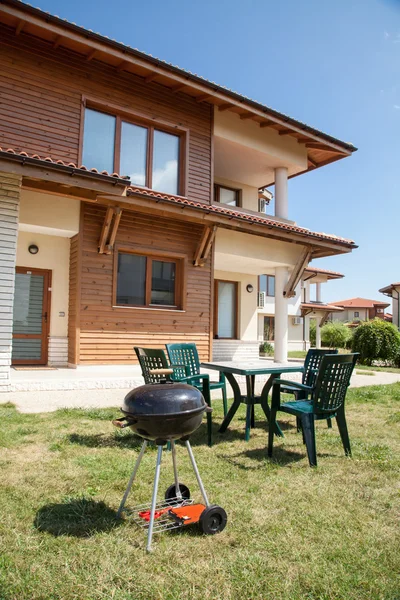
(348, 315)
(249, 193)
(48, 214)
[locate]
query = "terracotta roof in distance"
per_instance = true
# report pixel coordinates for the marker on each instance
(359, 303)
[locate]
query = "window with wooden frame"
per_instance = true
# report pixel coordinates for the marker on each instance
(151, 155)
(146, 280)
(266, 283)
(227, 195)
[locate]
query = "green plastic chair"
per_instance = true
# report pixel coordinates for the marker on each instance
(186, 354)
(311, 366)
(327, 397)
(155, 358)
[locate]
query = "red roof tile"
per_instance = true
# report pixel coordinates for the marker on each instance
(224, 210)
(359, 303)
(11, 153)
(312, 269)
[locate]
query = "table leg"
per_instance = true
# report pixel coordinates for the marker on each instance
(253, 392)
(264, 401)
(249, 406)
(237, 399)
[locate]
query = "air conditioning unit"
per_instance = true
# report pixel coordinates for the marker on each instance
(262, 205)
(261, 300)
(297, 320)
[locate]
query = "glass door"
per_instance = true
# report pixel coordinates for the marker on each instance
(31, 316)
(225, 310)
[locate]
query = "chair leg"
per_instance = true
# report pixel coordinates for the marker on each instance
(329, 422)
(307, 422)
(225, 400)
(298, 424)
(207, 398)
(253, 419)
(344, 434)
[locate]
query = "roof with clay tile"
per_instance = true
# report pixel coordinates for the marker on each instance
(316, 306)
(360, 303)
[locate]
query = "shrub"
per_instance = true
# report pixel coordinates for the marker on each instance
(266, 348)
(335, 334)
(313, 332)
(377, 340)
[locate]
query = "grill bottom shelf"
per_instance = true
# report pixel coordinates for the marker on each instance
(164, 522)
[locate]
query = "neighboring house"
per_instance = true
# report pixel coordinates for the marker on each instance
(303, 307)
(393, 291)
(132, 202)
(359, 309)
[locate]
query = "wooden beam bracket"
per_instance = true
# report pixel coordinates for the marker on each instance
(205, 245)
(324, 318)
(113, 217)
(297, 273)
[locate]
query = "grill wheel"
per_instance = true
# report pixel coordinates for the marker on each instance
(213, 519)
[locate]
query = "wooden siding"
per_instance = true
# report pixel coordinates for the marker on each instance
(73, 305)
(107, 333)
(41, 92)
(9, 207)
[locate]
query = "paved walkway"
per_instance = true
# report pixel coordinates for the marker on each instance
(37, 401)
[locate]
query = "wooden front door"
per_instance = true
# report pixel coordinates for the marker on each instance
(225, 309)
(31, 316)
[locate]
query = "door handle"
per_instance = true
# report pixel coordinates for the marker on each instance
(45, 317)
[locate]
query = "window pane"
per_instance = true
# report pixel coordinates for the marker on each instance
(98, 141)
(226, 309)
(133, 152)
(163, 283)
(131, 281)
(228, 196)
(269, 329)
(271, 285)
(165, 162)
(263, 283)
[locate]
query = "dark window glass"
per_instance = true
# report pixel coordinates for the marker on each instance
(267, 284)
(271, 285)
(163, 283)
(263, 283)
(269, 329)
(131, 282)
(165, 162)
(98, 141)
(226, 195)
(133, 152)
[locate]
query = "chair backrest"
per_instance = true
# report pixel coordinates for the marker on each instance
(332, 382)
(151, 358)
(184, 354)
(311, 364)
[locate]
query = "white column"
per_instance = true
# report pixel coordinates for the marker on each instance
(10, 186)
(317, 333)
(307, 290)
(318, 293)
(281, 316)
(306, 332)
(281, 192)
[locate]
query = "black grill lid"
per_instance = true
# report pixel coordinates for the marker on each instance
(162, 399)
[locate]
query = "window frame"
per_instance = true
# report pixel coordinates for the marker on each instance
(270, 318)
(267, 293)
(356, 314)
(151, 254)
(217, 194)
(236, 310)
(136, 118)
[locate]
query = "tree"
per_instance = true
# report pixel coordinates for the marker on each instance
(335, 334)
(376, 340)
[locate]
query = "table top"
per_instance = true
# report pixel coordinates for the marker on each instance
(253, 368)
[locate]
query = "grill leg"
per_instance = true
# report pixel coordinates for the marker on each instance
(132, 479)
(154, 498)
(196, 472)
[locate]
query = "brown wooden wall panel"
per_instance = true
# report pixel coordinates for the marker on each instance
(73, 332)
(107, 333)
(41, 93)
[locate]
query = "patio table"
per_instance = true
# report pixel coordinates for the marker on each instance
(249, 371)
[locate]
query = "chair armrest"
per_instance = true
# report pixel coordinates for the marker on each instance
(221, 377)
(199, 377)
(294, 384)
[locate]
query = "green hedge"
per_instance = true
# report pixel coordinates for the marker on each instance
(377, 340)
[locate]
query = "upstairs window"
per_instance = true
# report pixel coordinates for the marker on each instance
(149, 156)
(147, 281)
(227, 195)
(266, 283)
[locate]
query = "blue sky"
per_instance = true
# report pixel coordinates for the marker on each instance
(334, 65)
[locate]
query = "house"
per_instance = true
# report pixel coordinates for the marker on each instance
(304, 306)
(393, 291)
(133, 199)
(359, 309)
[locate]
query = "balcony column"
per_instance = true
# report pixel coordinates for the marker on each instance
(318, 293)
(317, 333)
(281, 316)
(281, 192)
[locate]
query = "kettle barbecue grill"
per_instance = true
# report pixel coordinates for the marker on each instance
(165, 412)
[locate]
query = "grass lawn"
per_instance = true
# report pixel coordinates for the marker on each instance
(293, 533)
(384, 369)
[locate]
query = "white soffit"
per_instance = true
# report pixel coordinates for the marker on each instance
(46, 230)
